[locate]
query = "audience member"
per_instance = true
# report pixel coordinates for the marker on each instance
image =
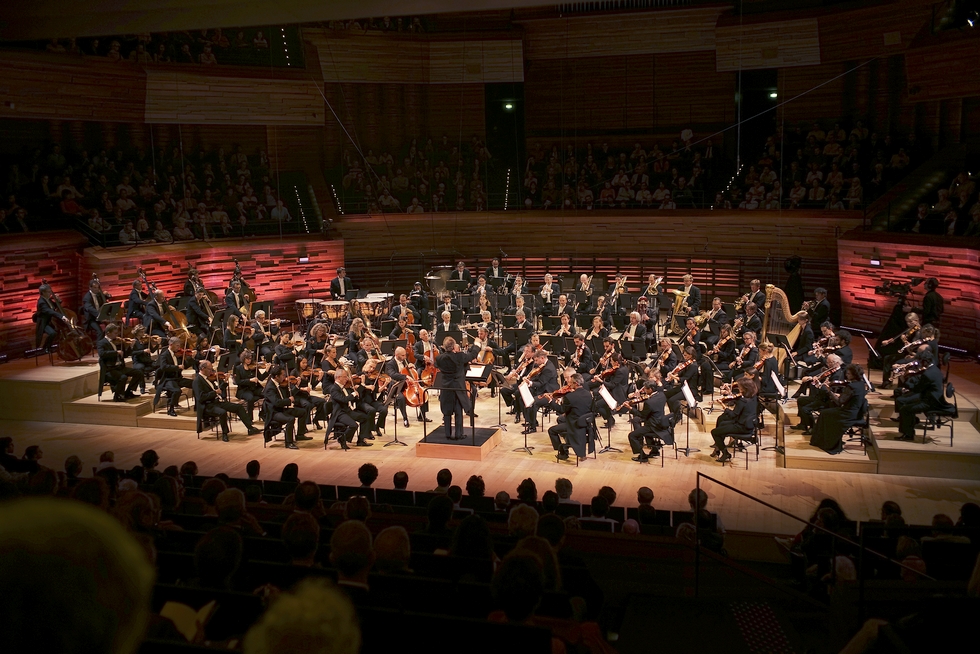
(301, 538)
(522, 521)
(314, 618)
(367, 474)
(400, 480)
(393, 551)
(352, 553)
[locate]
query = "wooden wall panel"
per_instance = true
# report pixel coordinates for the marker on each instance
(175, 95)
(24, 260)
(773, 44)
(602, 241)
(825, 102)
(413, 59)
(619, 35)
(457, 110)
(944, 70)
(688, 91)
(956, 265)
(881, 30)
(42, 85)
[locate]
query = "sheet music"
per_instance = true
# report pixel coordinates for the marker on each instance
(686, 390)
(475, 371)
(607, 396)
(526, 394)
(779, 387)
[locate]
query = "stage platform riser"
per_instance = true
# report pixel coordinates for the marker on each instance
(90, 411)
(40, 393)
(459, 451)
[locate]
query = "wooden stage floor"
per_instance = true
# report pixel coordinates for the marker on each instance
(795, 490)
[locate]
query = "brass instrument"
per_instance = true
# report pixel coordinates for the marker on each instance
(680, 297)
(588, 286)
(701, 320)
(740, 303)
(620, 287)
(654, 287)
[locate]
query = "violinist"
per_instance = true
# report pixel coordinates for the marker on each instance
(685, 371)
(355, 334)
(248, 381)
(565, 328)
(636, 333)
(844, 346)
(522, 366)
(922, 392)
(723, 351)
(745, 359)
(277, 403)
(369, 352)
(136, 306)
(738, 419)
(656, 428)
(112, 361)
(285, 353)
(888, 360)
(263, 335)
(844, 411)
(92, 304)
(235, 301)
(154, 318)
(766, 365)
(207, 395)
(398, 369)
(692, 335)
(234, 336)
(144, 347)
(569, 431)
(315, 344)
(818, 398)
(48, 310)
(666, 359)
(615, 378)
(544, 379)
(372, 392)
(198, 317)
(329, 365)
(307, 378)
(169, 376)
(581, 357)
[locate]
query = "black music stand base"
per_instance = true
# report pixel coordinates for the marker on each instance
(687, 449)
(609, 447)
(393, 394)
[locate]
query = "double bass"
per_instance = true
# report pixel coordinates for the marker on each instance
(73, 342)
(177, 319)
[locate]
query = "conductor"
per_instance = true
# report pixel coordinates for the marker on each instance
(453, 401)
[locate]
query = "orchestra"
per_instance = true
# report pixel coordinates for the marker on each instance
(335, 371)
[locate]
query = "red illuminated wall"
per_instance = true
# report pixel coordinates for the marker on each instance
(269, 265)
(955, 263)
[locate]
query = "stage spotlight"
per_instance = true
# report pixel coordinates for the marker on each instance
(773, 95)
(509, 106)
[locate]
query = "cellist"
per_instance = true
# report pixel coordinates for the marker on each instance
(399, 369)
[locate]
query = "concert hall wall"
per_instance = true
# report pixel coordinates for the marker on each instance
(904, 256)
(269, 265)
(723, 249)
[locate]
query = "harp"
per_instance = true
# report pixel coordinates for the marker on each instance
(779, 319)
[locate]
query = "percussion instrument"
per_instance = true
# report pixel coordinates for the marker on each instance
(335, 309)
(437, 278)
(306, 308)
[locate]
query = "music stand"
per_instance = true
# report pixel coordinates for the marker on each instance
(456, 316)
(265, 305)
(393, 394)
(525, 392)
(691, 404)
(180, 303)
(627, 302)
(714, 368)
(498, 378)
(549, 322)
(626, 347)
(476, 373)
(780, 427)
(611, 402)
(388, 347)
(109, 312)
(457, 285)
(496, 282)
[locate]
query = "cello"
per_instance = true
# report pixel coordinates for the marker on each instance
(177, 319)
(73, 342)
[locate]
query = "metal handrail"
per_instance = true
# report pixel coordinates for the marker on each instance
(833, 570)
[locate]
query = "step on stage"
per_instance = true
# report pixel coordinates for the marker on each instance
(473, 447)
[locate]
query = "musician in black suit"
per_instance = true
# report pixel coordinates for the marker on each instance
(755, 294)
(548, 294)
(445, 325)
(154, 318)
(752, 322)
(818, 397)
(635, 333)
(653, 292)
(190, 284)
(248, 381)
(369, 351)
(300, 390)
(585, 286)
(665, 360)
(398, 368)
(198, 318)
(518, 306)
(581, 357)
(453, 400)
(48, 310)
(575, 404)
(597, 331)
(425, 350)
(845, 410)
(692, 334)
(235, 301)
(494, 270)
(717, 317)
(265, 335)
(565, 328)
(739, 419)
(112, 360)
(207, 396)
(564, 308)
(523, 331)
(169, 375)
(923, 392)
(656, 427)
(92, 303)
(404, 309)
(747, 356)
(616, 383)
(693, 299)
(136, 306)
(648, 318)
(461, 273)
(420, 300)
(341, 285)
(932, 303)
(612, 295)
(821, 312)
(844, 349)
(685, 371)
(481, 287)
(545, 380)
(372, 395)
(278, 408)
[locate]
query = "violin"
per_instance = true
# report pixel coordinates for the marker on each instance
(561, 392)
(218, 376)
(638, 397)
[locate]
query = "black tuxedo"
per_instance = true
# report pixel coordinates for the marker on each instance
(739, 419)
(759, 297)
(114, 370)
(465, 276)
(136, 306)
(207, 396)
(47, 312)
(820, 313)
(573, 406)
(693, 299)
(489, 273)
(655, 428)
(545, 381)
(569, 310)
(277, 409)
(639, 341)
(932, 308)
(408, 310)
(235, 304)
(551, 299)
(926, 393)
(442, 331)
(169, 377)
(91, 305)
(585, 360)
(752, 323)
(196, 315)
(335, 291)
(154, 320)
(453, 400)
